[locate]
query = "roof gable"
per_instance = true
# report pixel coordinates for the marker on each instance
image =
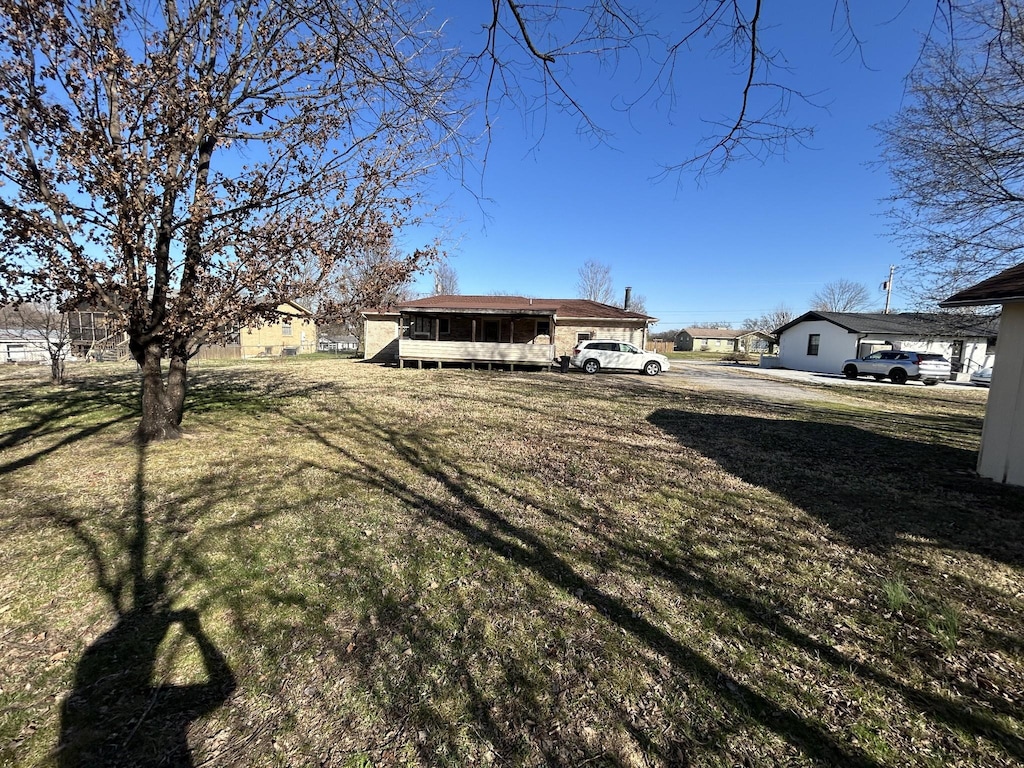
(926, 324)
(1008, 285)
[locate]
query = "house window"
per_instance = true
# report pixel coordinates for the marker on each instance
(543, 328)
(582, 337)
(420, 326)
(444, 326)
(990, 345)
(286, 327)
(813, 341)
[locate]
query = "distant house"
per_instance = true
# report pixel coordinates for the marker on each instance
(94, 336)
(294, 333)
(511, 330)
(821, 341)
(25, 346)
(344, 342)
(1002, 439)
(723, 340)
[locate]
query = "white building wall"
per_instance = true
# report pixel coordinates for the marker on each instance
(835, 346)
(1002, 438)
(838, 345)
(974, 354)
(23, 352)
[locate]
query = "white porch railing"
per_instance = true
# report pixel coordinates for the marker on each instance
(476, 352)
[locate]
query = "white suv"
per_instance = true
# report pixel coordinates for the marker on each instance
(596, 354)
(899, 366)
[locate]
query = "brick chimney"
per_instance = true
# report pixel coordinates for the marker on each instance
(629, 297)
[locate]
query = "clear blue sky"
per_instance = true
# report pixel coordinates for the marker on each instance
(735, 245)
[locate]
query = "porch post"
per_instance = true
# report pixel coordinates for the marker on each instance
(473, 335)
(511, 330)
(437, 329)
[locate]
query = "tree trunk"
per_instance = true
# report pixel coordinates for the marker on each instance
(57, 369)
(176, 381)
(160, 415)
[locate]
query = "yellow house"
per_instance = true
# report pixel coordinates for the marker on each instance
(293, 334)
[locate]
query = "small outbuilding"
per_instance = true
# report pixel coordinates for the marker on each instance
(821, 341)
(1001, 457)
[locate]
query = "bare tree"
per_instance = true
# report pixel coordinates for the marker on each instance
(769, 321)
(446, 281)
(841, 295)
(713, 324)
(533, 49)
(668, 335)
(44, 328)
(161, 164)
(956, 153)
(595, 282)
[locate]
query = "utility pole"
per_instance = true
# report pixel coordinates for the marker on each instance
(887, 287)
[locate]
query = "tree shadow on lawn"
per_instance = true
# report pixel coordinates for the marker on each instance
(822, 453)
(873, 489)
(471, 518)
(43, 413)
(116, 715)
(121, 710)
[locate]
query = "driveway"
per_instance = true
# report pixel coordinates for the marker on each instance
(772, 383)
(742, 380)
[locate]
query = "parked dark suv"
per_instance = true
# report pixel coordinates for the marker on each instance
(900, 367)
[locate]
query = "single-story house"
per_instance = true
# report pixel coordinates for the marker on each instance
(510, 330)
(345, 342)
(821, 341)
(25, 346)
(1001, 457)
(723, 340)
(94, 335)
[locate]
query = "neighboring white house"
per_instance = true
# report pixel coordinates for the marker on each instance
(345, 342)
(821, 341)
(25, 346)
(1002, 438)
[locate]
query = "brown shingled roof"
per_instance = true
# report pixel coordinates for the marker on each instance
(1008, 285)
(565, 308)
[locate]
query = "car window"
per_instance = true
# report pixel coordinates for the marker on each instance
(874, 356)
(627, 348)
(903, 357)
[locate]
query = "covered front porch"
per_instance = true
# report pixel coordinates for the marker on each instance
(477, 338)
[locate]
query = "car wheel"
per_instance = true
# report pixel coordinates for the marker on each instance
(653, 368)
(591, 366)
(850, 371)
(898, 376)
(931, 382)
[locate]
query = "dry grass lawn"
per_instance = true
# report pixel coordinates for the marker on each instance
(347, 565)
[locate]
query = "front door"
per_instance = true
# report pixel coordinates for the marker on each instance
(956, 355)
(491, 328)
